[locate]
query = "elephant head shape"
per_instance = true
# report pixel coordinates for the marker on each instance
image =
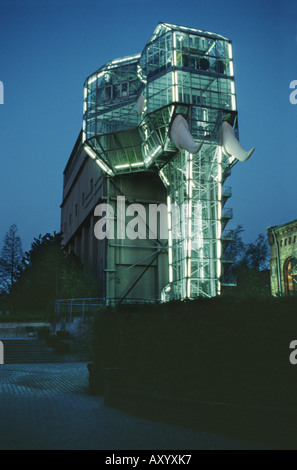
(172, 110)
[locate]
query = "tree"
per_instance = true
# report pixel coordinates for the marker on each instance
(50, 274)
(250, 265)
(236, 247)
(257, 254)
(11, 259)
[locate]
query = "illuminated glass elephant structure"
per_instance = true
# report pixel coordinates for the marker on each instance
(172, 110)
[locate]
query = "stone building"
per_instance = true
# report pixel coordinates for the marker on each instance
(283, 264)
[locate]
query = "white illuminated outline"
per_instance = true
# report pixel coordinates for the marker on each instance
(231, 68)
(169, 239)
(163, 177)
(219, 221)
(1, 353)
(99, 162)
(148, 159)
(1, 93)
(189, 223)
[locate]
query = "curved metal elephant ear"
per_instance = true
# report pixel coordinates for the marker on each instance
(181, 136)
(231, 146)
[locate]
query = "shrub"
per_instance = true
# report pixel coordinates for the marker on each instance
(44, 332)
(222, 349)
(63, 334)
(52, 340)
(62, 347)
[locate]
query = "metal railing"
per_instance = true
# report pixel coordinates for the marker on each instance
(87, 307)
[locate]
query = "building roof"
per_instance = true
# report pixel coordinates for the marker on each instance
(187, 29)
(275, 227)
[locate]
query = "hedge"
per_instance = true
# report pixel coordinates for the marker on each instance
(219, 349)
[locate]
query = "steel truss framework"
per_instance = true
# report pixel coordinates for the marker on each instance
(196, 220)
(129, 107)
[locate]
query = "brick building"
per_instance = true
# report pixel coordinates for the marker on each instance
(283, 264)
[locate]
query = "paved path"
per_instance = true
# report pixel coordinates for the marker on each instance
(47, 406)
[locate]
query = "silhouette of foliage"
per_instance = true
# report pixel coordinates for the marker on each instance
(11, 258)
(250, 267)
(49, 274)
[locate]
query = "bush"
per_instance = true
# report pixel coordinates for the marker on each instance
(22, 316)
(62, 347)
(44, 332)
(63, 334)
(219, 349)
(52, 341)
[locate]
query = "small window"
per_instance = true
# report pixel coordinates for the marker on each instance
(83, 198)
(76, 211)
(273, 271)
(69, 219)
(116, 92)
(91, 184)
(124, 89)
(108, 92)
(290, 275)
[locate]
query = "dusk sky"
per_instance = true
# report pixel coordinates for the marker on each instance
(49, 47)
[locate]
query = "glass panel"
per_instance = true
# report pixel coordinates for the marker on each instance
(108, 93)
(125, 89)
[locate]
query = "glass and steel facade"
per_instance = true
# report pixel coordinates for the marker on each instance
(129, 107)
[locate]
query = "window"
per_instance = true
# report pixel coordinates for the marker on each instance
(76, 211)
(124, 89)
(83, 198)
(108, 92)
(69, 219)
(291, 276)
(91, 185)
(273, 270)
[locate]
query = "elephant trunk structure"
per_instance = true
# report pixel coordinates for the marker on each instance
(231, 146)
(181, 136)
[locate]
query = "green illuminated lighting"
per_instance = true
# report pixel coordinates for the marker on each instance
(130, 107)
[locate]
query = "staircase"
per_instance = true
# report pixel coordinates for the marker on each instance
(28, 351)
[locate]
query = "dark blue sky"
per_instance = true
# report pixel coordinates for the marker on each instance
(49, 47)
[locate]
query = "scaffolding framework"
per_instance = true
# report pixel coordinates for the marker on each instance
(130, 105)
